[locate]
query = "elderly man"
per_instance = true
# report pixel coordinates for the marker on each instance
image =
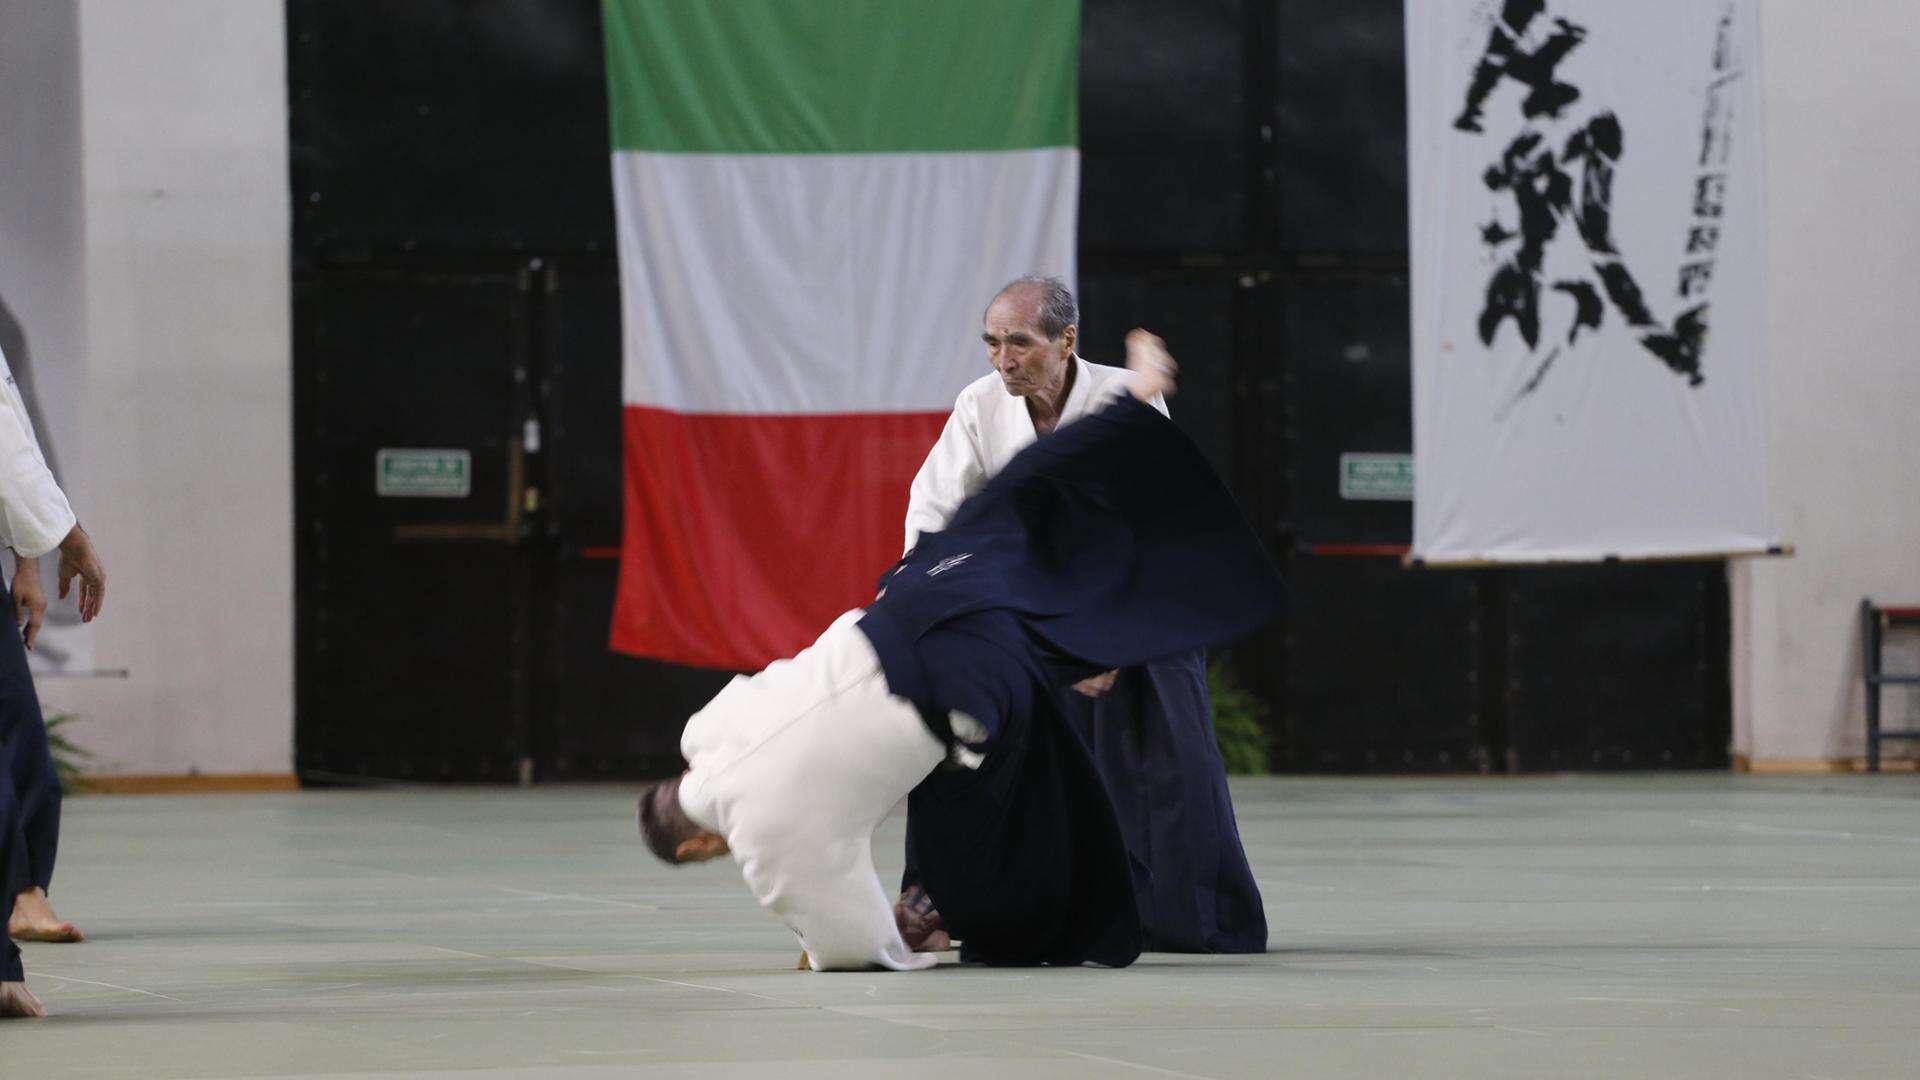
(1151, 727)
(1106, 546)
(35, 518)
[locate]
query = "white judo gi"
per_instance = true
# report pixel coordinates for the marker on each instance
(34, 513)
(796, 766)
(988, 427)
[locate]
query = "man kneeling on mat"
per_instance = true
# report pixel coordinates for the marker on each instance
(1104, 545)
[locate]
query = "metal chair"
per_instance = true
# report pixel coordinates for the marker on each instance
(1874, 624)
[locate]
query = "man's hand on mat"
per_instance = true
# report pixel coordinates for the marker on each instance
(1153, 367)
(15, 1000)
(78, 559)
(1098, 684)
(34, 920)
(29, 599)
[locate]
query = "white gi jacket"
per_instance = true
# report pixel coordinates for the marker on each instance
(34, 515)
(796, 767)
(987, 428)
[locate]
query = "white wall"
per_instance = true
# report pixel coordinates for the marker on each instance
(1843, 161)
(187, 449)
(41, 234)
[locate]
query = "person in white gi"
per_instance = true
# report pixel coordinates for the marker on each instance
(792, 770)
(35, 518)
(1038, 383)
(795, 767)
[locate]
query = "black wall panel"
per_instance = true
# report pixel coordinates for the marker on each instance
(1349, 389)
(1341, 117)
(448, 126)
(1196, 316)
(1165, 156)
(407, 645)
(581, 392)
(1381, 669)
(610, 715)
(1617, 667)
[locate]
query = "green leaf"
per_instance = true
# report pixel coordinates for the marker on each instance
(69, 758)
(1246, 747)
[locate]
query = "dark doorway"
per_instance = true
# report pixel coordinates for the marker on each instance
(413, 406)
(458, 479)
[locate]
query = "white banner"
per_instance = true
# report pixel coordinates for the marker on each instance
(1588, 275)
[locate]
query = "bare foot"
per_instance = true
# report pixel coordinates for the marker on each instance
(34, 920)
(16, 1001)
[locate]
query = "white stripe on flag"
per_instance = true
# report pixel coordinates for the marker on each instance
(823, 284)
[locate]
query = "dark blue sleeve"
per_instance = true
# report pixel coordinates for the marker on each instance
(1134, 549)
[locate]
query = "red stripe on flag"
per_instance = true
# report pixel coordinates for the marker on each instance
(747, 535)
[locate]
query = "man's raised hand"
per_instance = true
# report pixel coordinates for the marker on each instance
(1153, 368)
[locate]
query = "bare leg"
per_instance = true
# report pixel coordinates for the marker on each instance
(15, 1000)
(33, 920)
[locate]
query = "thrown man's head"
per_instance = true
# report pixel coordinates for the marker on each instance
(669, 833)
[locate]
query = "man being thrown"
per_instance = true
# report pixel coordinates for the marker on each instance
(1108, 545)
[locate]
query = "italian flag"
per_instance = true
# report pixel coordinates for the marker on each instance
(816, 200)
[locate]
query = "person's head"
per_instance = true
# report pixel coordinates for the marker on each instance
(669, 833)
(1029, 329)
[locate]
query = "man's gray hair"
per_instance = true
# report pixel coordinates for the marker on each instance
(1057, 308)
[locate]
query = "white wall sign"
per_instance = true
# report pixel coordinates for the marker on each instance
(1376, 477)
(422, 474)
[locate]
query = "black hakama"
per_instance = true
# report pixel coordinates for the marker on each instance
(1108, 545)
(29, 790)
(1152, 741)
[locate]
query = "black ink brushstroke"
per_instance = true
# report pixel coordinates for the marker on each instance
(1504, 58)
(1710, 195)
(1598, 147)
(1541, 191)
(1543, 187)
(1681, 349)
(1695, 277)
(1589, 309)
(1533, 383)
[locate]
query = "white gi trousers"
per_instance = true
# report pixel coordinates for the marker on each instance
(797, 766)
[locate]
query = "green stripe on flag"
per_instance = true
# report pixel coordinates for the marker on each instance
(842, 76)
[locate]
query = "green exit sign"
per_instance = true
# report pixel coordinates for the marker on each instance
(1378, 477)
(422, 474)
